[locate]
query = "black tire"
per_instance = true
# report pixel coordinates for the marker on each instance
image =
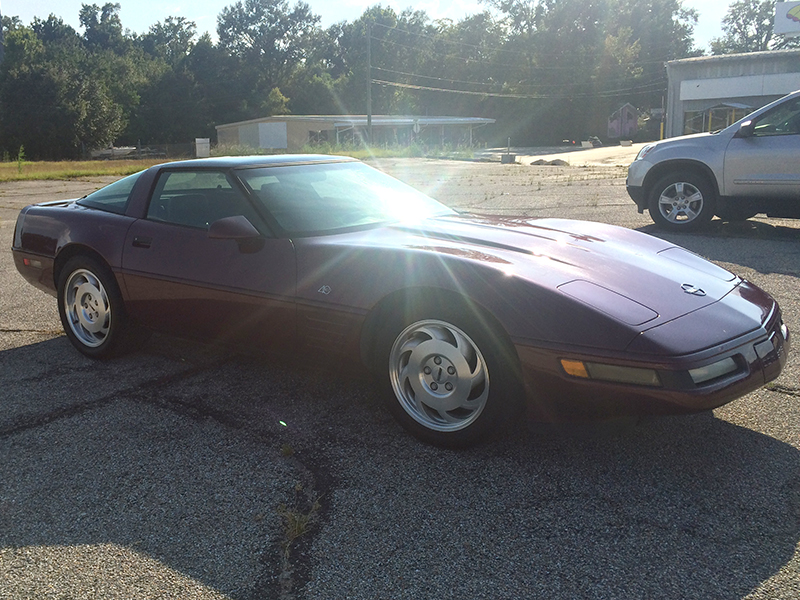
(682, 202)
(92, 310)
(450, 381)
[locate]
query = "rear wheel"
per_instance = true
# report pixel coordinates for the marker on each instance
(92, 310)
(452, 383)
(681, 202)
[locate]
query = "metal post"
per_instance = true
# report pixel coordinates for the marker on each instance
(369, 83)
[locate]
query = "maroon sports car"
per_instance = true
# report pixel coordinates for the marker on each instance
(466, 318)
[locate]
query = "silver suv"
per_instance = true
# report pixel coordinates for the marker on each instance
(751, 167)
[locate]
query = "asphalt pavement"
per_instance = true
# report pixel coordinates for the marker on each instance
(183, 471)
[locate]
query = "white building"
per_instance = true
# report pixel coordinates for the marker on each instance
(293, 132)
(711, 92)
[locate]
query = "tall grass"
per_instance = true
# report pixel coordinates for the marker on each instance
(21, 169)
(42, 170)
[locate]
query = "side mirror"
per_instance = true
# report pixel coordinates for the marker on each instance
(232, 228)
(746, 129)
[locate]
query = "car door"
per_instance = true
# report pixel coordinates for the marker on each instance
(180, 280)
(765, 164)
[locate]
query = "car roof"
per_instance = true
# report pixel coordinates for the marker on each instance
(232, 162)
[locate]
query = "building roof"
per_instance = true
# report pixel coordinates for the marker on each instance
(343, 121)
(745, 56)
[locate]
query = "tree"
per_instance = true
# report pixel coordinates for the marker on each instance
(49, 102)
(747, 26)
(103, 27)
(268, 37)
(171, 40)
(575, 61)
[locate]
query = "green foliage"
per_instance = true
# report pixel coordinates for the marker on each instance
(545, 69)
(748, 27)
(20, 159)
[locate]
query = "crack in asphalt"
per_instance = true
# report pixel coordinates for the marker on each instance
(783, 389)
(284, 572)
(281, 578)
(80, 408)
(284, 577)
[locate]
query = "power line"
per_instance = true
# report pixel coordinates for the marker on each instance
(651, 87)
(495, 63)
(484, 48)
(657, 81)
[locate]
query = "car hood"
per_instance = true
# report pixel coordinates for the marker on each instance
(693, 140)
(635, 278)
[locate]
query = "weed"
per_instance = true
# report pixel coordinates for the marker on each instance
(297, 519)
(20, 159)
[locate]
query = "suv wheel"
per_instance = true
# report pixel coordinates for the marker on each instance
(681, 202)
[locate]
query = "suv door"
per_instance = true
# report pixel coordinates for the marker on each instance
(766, 164)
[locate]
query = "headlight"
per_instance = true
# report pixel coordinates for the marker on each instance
(712, 371)
(643, 152)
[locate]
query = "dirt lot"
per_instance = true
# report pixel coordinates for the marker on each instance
(176, 472)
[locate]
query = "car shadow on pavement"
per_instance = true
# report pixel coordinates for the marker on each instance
(110, 491)
(171, 472)
(750, 243)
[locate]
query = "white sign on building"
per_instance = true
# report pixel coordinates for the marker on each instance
(787, 18)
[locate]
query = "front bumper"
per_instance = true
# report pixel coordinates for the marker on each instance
(636, 192)
(634, 183)
(554, 395)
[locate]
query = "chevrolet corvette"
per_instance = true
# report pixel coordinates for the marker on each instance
(466, 320)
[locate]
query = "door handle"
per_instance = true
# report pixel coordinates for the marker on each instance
(142, 242)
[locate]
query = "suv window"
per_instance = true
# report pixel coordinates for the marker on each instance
(197, 199)
(782, 120)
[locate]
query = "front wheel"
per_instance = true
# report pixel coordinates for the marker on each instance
(449, 387)
(92, 310)
(681, 202)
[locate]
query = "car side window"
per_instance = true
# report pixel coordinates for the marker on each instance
(112, 198)
(782, 120)
(197, 199)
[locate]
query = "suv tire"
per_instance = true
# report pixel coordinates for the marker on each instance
(681, 202)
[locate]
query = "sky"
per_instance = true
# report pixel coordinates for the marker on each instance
(139, 15)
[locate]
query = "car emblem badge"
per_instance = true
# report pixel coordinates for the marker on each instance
(325, 289)
(690, 289)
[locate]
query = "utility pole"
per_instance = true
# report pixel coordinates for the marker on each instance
(369, 83)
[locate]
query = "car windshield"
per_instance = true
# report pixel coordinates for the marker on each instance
(331, 196)
(113, 197)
